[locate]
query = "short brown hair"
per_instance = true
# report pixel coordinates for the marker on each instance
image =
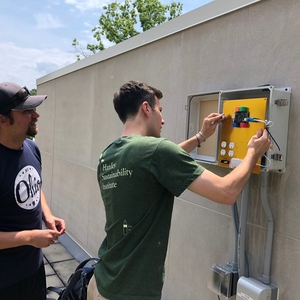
(131, 95)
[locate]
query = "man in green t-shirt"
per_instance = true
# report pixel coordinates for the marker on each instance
(139, 174)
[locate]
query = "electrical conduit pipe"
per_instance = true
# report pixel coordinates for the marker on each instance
(270, 228)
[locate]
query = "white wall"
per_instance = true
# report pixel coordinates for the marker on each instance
(252, 46)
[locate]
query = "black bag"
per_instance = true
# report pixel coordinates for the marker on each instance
(76, 288)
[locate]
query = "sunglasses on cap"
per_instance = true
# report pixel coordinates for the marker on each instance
(21, 96)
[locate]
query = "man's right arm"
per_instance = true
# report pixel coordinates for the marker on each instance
(225, 190)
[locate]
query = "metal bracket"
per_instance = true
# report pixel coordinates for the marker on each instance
(278, 157)
(282, 102)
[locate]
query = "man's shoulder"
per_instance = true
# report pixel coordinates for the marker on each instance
(137, 140)
(154, 143)
(141, 144)
(151, 140)
(30, 145)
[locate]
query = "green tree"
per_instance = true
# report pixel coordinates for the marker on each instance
(32, 92)
(120, 21)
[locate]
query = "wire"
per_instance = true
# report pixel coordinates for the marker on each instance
(268, 123)
(266, 165)
(236, 217)
(273, 138)
(247, 263)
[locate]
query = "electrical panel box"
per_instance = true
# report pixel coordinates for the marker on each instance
(245, 110)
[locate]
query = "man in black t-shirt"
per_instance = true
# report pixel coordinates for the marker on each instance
(23, 206)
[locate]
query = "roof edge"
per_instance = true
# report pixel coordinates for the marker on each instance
(193, 18)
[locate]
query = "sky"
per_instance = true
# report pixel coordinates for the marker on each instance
(36, 35)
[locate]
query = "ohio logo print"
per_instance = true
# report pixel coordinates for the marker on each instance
(27, 188)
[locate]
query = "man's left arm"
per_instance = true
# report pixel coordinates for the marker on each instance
(51, 221)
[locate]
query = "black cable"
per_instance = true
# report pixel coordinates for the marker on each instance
(272, 138)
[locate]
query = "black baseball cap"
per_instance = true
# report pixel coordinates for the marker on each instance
(13, 96)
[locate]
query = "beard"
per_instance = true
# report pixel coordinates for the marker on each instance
(32, 131)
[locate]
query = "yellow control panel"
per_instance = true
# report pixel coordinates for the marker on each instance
(236, 130)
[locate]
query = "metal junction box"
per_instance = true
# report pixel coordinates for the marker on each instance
(251, 289)
(245, 110)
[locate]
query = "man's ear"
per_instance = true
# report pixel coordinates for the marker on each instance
(146, 108)
(3, 120)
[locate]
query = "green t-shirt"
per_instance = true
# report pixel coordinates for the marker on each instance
(138, 178)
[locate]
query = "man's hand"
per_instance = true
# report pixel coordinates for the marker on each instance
(38, 238)
(51, 221)
(259, 143)
(42, 238)
(56, 224)
(210, 123)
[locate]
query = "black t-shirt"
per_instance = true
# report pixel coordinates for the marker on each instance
(20, 209)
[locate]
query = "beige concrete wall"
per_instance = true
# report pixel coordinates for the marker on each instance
(256, 45)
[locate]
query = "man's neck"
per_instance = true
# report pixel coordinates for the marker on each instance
(11, 143)
(131, 128)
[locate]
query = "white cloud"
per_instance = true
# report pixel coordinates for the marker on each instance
(47, 21)
(24, 65)
(84, 5)
(87, 24)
